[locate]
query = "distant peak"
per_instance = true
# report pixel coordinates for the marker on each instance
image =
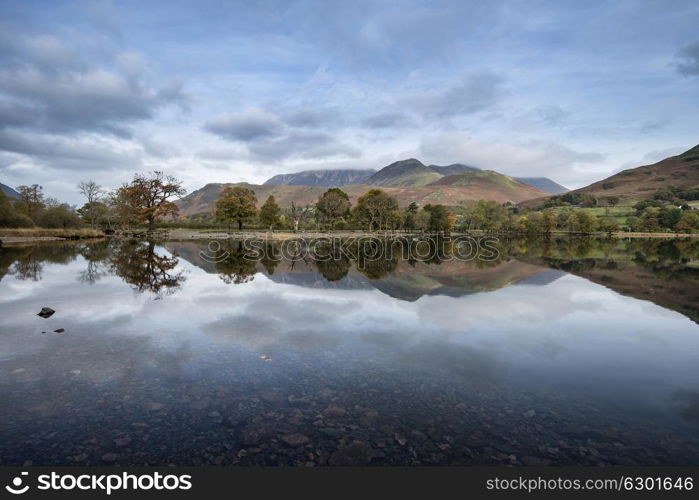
(691, 152)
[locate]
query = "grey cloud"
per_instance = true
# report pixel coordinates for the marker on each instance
(249, 125)
(86, 153)
(302, 144)
(311, 117)
(59, 93)
(688, 60)
(475, 93)
(269, 137)
(387, 120)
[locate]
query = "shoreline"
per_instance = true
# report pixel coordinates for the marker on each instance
(185, 235)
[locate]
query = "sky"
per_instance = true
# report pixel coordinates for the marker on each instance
(226, 91)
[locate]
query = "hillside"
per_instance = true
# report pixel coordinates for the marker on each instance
(404, 173)
(323, 178)
(202, 200)
(641, 183)
(455, 168)
(11, 193)
(487, 181)
(409, 173)
(544, 183)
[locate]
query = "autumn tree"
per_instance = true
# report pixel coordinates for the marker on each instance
(439, 218)
(269, 212)
(410, 213)
(333, 205)
(30, 201)
(236, 205)
(148, 197)
(375, 209)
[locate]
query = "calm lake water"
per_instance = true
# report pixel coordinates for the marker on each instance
(571, 352)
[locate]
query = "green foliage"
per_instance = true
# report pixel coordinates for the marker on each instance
(376, 210)
(333, 206)
(9, 217)
(59, 217)
(236, 205)
(270, 212)
(438, 218)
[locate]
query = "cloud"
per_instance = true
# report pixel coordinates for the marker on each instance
(304, 145)
(249, 125)
(476, 92)
(688, 60)
(58, 92)
(387, 120)
(85, 153)
(268, 137)
(311, 117)
(521, 158)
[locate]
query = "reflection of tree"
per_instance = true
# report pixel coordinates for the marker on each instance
(97, 256)
(27, 269)
(232, 264)
(138, 264)
(26, 262)
(334, 269)
(270, 257)
(376, 258)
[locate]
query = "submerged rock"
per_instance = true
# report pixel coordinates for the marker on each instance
(46, 312)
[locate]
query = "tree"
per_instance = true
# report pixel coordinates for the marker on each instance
(299, 214)
(409, 222)
(439, 218)
(90, 190)
(96, 213)
(148, 197)
(548, 221)
(689, 222)
(332, 206)
(585, 222)
(269, 213)
(9, 217)
(31, 200)
(236, 205)
(58, 217)
(613, 201)
(375, 209)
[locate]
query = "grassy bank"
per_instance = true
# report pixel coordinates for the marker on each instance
(61, 234)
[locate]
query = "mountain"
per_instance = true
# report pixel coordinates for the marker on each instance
(455, 168)
(487, 181)
(641, 183)
(11, 193)
(493, 186)
(544, 183)
(323, 178)
(404, 173)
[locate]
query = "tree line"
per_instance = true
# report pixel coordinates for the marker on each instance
(148, 201)
(375, 210)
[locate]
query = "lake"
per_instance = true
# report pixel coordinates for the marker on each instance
(537, 352)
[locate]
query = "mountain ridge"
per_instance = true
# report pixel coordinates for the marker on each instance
(403, 173)
(11, 193)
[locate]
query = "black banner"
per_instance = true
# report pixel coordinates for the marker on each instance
(210, 482)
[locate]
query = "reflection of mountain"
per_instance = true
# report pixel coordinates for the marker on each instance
(679, 292)
(403, 281)
(660, 271)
